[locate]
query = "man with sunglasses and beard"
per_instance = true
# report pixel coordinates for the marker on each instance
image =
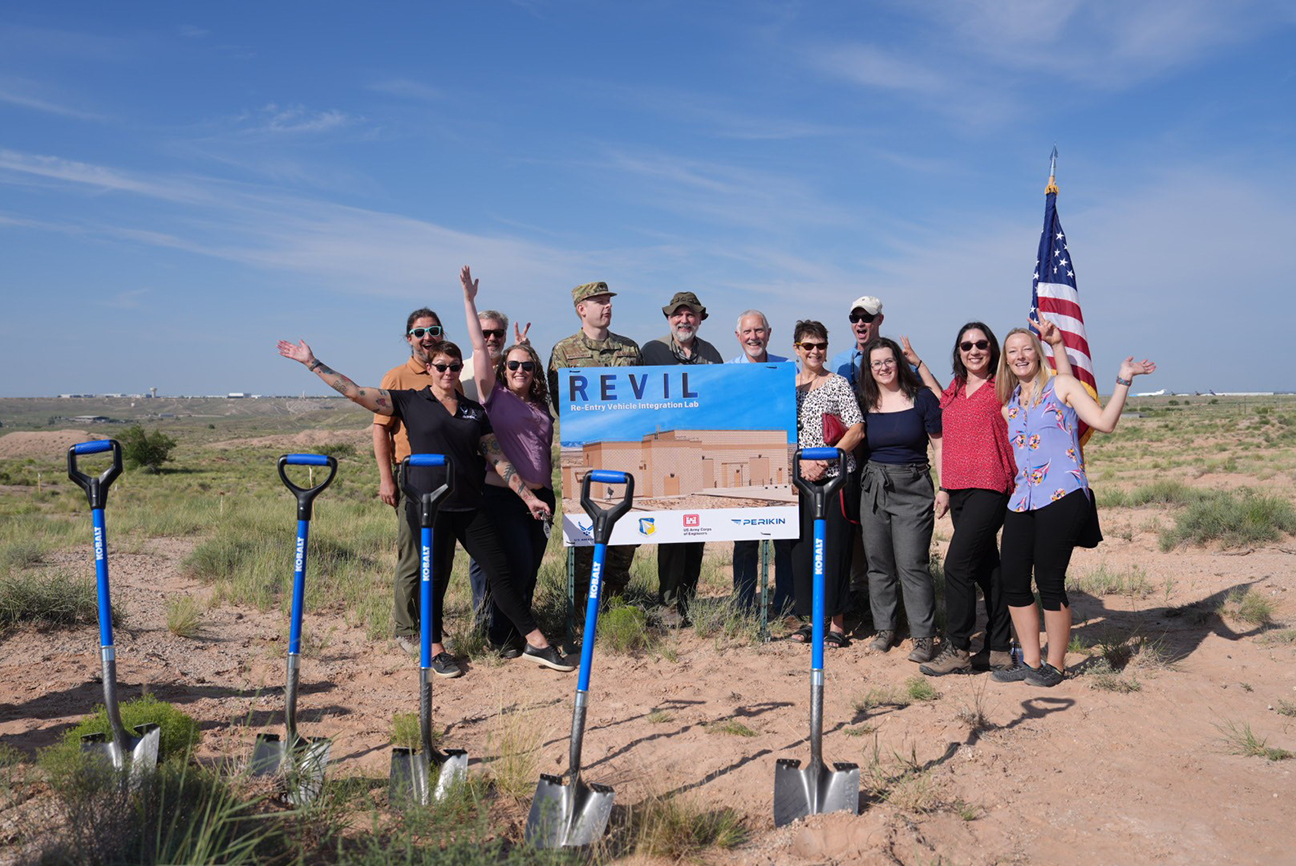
(423, 332)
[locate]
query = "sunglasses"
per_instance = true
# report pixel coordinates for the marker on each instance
(455, 367)
(497, 333)
(861, 316)
(527, 366)
(810, 347)
(967, 345)
(417, 333)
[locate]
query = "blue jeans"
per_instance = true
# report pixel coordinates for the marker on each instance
(524, 543)
(746, 573)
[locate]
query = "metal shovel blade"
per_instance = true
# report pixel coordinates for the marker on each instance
(415, 780)
(142, 757)
(568, 816)
(302, 766)
(813, 790)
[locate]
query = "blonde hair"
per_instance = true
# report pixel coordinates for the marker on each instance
(1006, 381)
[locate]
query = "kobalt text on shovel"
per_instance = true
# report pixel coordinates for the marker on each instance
(814, 789)
(136, 754)
(421, 777)
(576, 814)
(300, 759)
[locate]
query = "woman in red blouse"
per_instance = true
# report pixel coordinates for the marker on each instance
(976, 477)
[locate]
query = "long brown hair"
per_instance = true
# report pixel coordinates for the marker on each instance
(870, 393)
(538, 393)
(1006, 380)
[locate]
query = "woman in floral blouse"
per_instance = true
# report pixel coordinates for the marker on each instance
(821, 393)
(1050, 504)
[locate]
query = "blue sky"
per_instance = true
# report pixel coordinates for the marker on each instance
(183, 184)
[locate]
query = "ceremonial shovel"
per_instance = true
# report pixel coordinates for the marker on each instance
(576, 814)
(412, 772)
(118, 748)
(301, 759)
(815, 789)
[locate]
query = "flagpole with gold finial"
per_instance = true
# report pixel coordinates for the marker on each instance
(1052, 184)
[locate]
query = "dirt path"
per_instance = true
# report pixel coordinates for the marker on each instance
(1070, 774)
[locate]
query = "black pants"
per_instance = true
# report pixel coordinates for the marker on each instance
(525, 551)
(679, 566)
(837, 557)
(1042, 539)
(973, 561)
(475, 531)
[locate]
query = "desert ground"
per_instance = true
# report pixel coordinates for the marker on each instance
(1170, 741)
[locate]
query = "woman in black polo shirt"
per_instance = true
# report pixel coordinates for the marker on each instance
(439, 420)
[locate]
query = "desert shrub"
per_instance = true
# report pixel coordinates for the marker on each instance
(1241, 740)
(1104, 581)
(337, 450)
(1235, 520)
(623, 629)
(179, 731)
(1247, 605)
(920, 689)
(141, 449)
(676, 829)
(184, 616)
(50, 600)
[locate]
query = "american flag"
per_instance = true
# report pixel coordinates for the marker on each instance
(1053, 293)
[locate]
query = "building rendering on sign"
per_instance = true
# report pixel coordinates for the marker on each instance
(684, 462)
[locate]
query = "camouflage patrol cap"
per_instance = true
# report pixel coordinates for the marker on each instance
(588, 290)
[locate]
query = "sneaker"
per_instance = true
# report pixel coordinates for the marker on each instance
(408, 645)
(507, 650)
(924, 648)
(444, 665)
(882, 640)
(987, 659)
(1045, 676)
(548, 657)
(1015, 674)
(951, 660)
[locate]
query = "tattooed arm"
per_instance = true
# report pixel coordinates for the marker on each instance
(490, 449)
(374, 399)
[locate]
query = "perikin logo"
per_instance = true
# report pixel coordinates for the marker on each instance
(759, 521)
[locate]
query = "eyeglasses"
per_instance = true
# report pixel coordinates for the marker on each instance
(882, 365)
(967, 345)
(810, 347)
(527, 366)
(497, 333)
(861, 316)
(417, 333)
(455, 367)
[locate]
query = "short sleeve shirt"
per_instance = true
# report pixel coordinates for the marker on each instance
(835, 397)
(408, 376)
(975, 452)
(901, 437)
(433, 430)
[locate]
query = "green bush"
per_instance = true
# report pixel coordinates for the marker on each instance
(147, 450)
(44, 599)
(623, 629)
(1232, 519)
(179, 730)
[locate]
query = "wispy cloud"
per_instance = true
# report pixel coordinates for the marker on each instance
(295, 120)
(192, 31)
(129, 300)
(870, 66)
(27, 94)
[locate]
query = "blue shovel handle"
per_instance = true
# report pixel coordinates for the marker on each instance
(604, 519)
(818, 491)
(428, 500)
(306, 495)
(96, 490)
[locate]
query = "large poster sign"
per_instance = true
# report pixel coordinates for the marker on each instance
(710, 448)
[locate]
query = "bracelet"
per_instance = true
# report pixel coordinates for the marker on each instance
(1125, 382)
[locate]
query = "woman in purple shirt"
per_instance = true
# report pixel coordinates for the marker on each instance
(1050, 505)
(517, 403)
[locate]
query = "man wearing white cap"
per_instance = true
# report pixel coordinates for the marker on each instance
(866, 324)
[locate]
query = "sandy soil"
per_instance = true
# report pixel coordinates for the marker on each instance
(1068, 775)
(42, 443)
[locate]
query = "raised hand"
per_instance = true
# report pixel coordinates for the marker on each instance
(910, 355)
(298, 352)
(468, 283)
(1129, 368)
(1048, 331)
(520, 337)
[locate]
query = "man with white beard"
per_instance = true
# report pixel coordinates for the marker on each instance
(680, 565)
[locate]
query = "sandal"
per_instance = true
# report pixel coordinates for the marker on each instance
(802, 635)
(836, 639)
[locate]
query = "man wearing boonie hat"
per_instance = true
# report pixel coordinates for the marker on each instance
(679, 566)
(682, 345)
(595, 346)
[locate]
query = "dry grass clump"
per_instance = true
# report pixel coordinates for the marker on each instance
(1247, 605)
(1132, 581)
(732, 727)
(1103, 677)
(972, 712)
(1235, 520)
(515, 737)
(1241, 740)
(184, 616)
(675, 828)
(47, 600)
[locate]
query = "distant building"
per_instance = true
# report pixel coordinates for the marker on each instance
(236, 395)
(682, 462)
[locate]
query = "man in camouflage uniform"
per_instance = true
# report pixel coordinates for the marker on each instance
(595, 346)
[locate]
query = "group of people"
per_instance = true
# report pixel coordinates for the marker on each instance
(1004, 436)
